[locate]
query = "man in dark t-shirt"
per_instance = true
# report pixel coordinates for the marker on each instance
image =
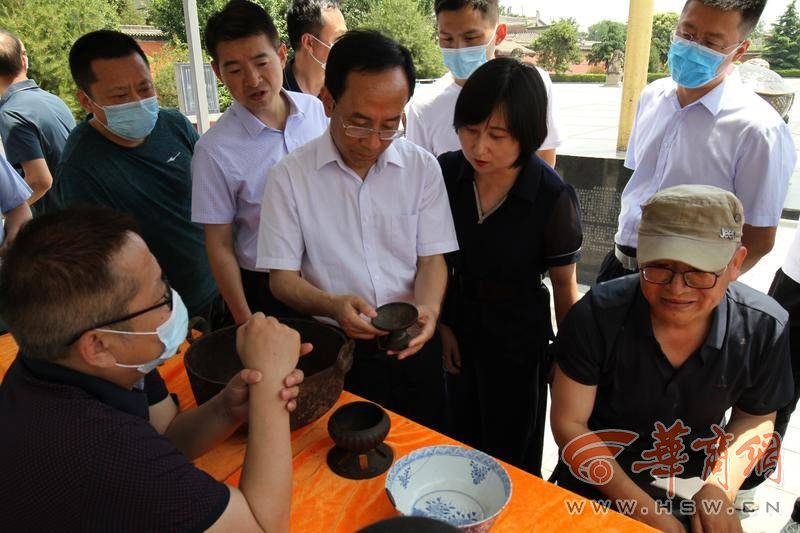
(132, 156)
(34, 124)
(648, 365)
(92, 440)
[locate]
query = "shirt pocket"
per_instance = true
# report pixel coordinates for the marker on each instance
(404, 237)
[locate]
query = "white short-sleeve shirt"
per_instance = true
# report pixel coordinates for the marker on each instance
(231, 162)
(730, 138)
(429, 116)
(352, 236)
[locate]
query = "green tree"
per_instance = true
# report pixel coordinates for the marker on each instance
(404, 21)
(664, 25)
(782, 46)
(557, 46)
(128, 12)
(167, 15)
(610, 36)
(48, 28)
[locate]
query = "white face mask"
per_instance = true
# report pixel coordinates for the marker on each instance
(328, 46)
(171, 334)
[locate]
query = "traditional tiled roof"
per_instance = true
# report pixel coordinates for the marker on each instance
(143, 33)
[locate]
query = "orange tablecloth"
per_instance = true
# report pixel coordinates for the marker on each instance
(324, 502)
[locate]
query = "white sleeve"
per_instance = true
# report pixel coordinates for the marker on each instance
(762, 173)
(280, 237)
(554, 132)
(436, 232)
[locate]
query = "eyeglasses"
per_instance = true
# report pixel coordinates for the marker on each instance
(695, 279)
(164, 300)
(358, 132)
(713, 45)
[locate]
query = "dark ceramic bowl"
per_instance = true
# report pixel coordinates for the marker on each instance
(212, 361)
(358, 429)
(409, 524)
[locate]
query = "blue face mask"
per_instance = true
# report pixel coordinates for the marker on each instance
(462, 62)
(132, 120)
(171, 334)
(693, 65)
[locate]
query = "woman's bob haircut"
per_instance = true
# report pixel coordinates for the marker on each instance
(514, 89)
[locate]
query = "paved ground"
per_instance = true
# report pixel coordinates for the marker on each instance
(590, 115)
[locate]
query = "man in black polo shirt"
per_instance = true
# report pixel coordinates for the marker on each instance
(660, 356)
(34, 124)
(91, 439)
(313, 26)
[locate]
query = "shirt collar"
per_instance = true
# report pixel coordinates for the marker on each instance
(327, 153)
(526, 185)
(716, 333)
(253, 125)
(711, 100)
(14, 88)
(131, 401)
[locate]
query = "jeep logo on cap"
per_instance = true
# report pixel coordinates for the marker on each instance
(727, 233)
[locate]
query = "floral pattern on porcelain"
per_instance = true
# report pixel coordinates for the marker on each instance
(463, 487)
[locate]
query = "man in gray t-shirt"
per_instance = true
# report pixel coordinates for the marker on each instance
(34, 124)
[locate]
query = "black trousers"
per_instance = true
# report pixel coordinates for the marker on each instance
(260, 298)
(786, 292)
(611, 268)
(499, 406)
(412, 387)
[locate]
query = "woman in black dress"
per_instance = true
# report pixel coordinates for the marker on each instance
(516, 220)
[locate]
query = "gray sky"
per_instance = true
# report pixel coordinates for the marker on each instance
(587, 12)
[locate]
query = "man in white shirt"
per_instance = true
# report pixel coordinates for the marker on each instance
(704, 126)
(469, 31)
(231, 161)
(358, 218)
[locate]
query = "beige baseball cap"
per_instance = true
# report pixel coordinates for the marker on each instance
(699, 225)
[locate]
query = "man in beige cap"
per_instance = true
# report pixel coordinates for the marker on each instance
(659, 356)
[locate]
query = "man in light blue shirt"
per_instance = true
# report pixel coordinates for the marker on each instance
(14, 194)
(231, 161)
(703, 126)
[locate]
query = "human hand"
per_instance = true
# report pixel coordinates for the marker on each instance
(347, 312)
(451, 356)
(266, 345)
(714, 512)
(423, 331)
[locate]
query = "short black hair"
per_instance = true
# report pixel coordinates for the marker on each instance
(10, 53)
(517, 90)
(57, 278)
(305, 16)
(366, 51)
(489, 8)
(237, 20)
(750, 9)
(100, 44)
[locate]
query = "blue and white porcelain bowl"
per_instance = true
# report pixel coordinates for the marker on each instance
(463, 487)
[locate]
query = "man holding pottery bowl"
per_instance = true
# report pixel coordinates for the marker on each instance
(92, 440)
(359, 218)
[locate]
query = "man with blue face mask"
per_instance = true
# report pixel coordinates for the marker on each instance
(469, 31)
(131, 155)
(703, 126)
(96, 434)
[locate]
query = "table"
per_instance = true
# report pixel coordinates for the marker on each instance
(324, 502)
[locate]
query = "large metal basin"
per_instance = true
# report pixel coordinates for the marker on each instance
(212, 361)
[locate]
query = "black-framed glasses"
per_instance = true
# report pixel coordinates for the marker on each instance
(695, 279)
(360, 132)
(164, 300)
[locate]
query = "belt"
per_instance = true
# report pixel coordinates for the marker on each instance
(627, 256)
